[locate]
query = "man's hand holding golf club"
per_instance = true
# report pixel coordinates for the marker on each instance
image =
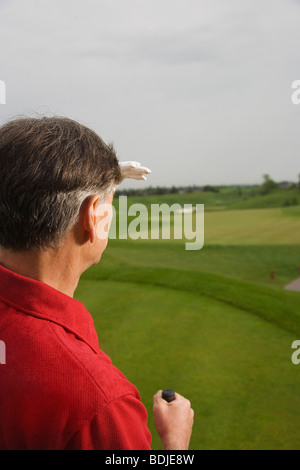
(173, 420)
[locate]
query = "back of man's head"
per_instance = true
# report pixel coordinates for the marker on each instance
(48, 167)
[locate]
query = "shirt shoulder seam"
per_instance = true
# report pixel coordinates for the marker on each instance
(107, 400)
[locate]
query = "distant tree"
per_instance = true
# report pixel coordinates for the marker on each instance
(239, 191)
(210, 188)
(268, 185)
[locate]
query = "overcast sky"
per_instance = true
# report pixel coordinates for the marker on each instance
(197, 90)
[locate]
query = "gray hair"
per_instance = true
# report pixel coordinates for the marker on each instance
(48, 168)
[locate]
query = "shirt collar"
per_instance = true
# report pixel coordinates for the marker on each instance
(43, 301)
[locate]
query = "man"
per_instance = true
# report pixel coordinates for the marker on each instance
(57, 389)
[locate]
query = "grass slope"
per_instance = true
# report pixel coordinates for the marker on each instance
(246, 262)
(281, 308)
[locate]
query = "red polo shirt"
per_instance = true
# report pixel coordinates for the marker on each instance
(57, 389)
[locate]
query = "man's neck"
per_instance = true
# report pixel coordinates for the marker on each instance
(57, 268)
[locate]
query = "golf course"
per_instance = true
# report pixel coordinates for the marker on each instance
(215, 324)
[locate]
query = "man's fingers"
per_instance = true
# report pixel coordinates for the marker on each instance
(157, 396)
(134, 170)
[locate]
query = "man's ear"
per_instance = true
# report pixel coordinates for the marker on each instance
(89, 215)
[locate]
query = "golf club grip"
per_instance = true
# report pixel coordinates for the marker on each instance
(168, 394)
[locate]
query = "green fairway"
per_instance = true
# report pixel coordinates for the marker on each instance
(253, 226)
(234, 366)
(210, 323)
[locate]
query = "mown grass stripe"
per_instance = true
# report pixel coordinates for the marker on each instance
(278, 307)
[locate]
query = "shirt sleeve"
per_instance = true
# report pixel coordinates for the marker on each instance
(122, 425)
